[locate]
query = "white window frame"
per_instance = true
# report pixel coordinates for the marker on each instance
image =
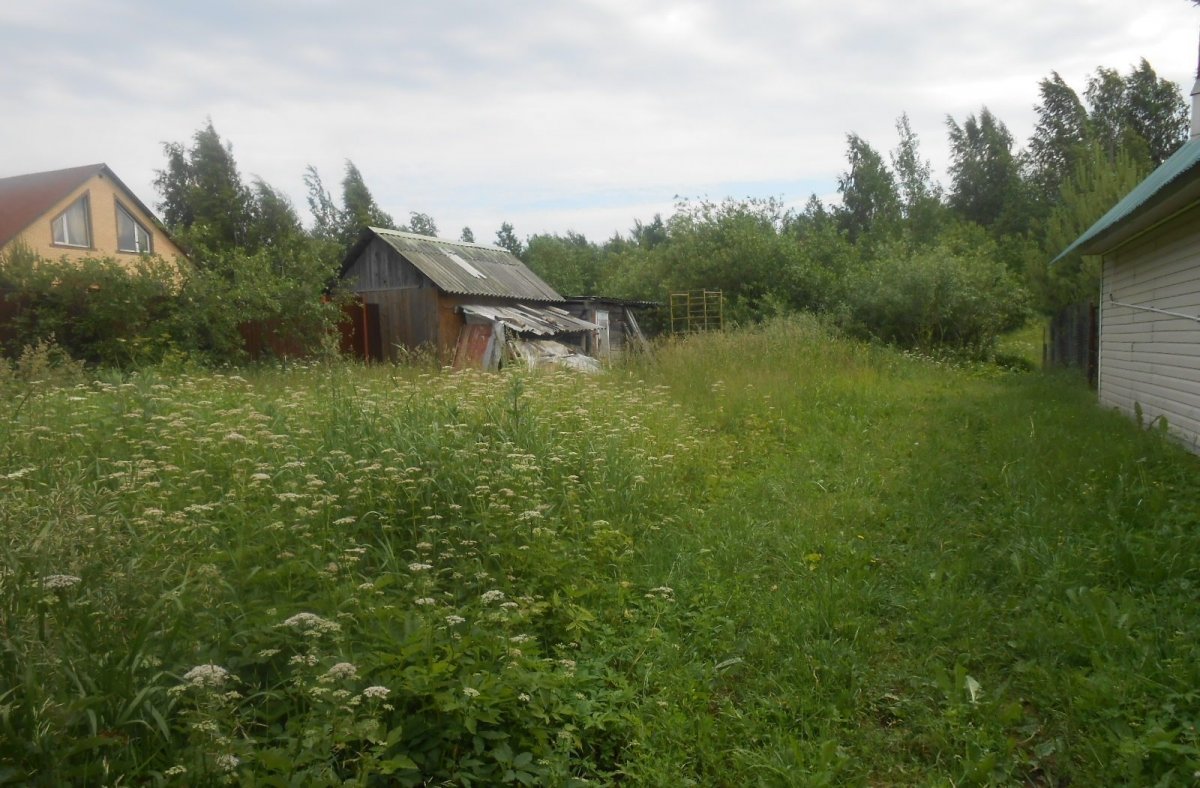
(137, 227)
(60, 222)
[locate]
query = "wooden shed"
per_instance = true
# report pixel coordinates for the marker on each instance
(462, 300)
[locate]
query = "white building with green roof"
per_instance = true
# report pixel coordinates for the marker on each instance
(1149, 344)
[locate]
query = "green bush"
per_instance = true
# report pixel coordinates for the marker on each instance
(956, 295)
(108, 313)
(96, 309)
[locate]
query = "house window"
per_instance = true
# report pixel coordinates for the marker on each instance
(73, 227)
(132, 236)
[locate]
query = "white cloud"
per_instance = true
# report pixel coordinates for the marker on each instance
(552, 116)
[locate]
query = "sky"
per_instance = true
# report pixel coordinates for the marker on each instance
(553, 116)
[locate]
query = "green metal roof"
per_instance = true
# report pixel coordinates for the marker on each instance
(1143, 202)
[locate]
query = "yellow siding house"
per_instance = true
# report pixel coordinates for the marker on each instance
(80, 212)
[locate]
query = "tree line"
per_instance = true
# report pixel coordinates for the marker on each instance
(900, 257)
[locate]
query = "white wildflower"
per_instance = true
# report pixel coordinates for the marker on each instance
(206, 676)
(471, 692)
(419, 567)
(376, 692)
(227, 763)
(454, 620)
(342, 670)
(59, 581)
(311, 622)
(492, 596)
(425, 600)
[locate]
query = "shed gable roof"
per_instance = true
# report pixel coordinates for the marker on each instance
(1164, 192)
(462, 268)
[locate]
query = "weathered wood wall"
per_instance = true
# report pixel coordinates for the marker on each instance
(406, 300)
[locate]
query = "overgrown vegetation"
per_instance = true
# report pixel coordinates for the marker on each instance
(1018, 208)
(120, 315)
(900, 257)
(770, 556)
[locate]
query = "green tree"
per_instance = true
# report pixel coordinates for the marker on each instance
(986, 186)
(1157, 112)
(327, 218)
(273, 220)
(920, 195)
(1141, 113)
(1095, 186)
(744, 248)
(571, 264)
(506, 238)
(870, 201)
(359, 209)
(651, 234)
(467, 236)
(422, 224)
(1059, 138)
(1108, 111)
(204, 200)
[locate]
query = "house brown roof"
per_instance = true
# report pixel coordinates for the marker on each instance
(25, 198)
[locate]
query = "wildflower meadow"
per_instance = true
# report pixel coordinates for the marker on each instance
(772, 556)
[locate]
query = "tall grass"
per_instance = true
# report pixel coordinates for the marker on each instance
(923, 572)
(326, 573)
(766, 557)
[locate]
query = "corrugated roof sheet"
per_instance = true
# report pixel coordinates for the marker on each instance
(542, 321)
(467, 269)
(1182, 162)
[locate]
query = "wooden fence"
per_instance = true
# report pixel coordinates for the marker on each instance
(1074, 340)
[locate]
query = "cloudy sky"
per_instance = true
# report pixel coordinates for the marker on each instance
(583, 114)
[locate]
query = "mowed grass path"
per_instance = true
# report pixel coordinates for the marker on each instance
(769, 557)
(912, 573)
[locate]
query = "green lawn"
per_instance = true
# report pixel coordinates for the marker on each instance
(768, 557)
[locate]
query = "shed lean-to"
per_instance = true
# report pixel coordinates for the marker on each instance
(618, 328)
(418, 291)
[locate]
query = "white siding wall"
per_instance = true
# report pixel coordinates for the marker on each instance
(1145, 357)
